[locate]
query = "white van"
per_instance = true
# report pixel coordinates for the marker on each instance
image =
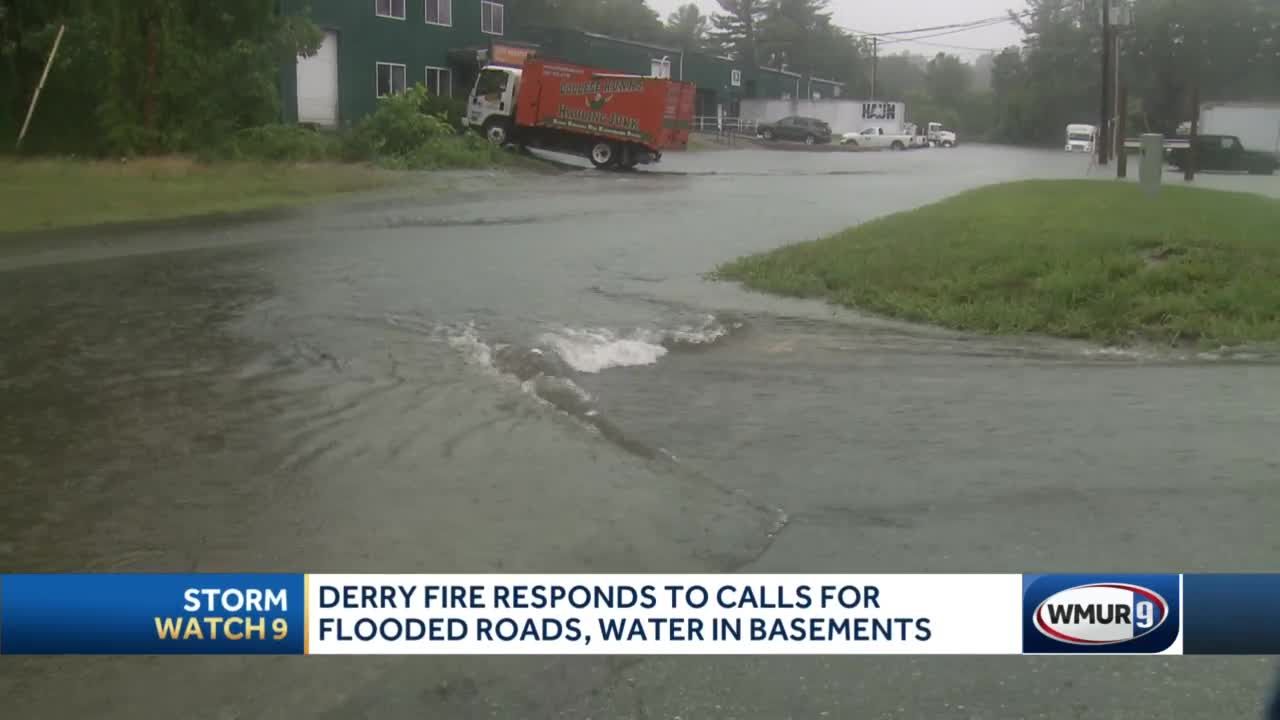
(1081, 138)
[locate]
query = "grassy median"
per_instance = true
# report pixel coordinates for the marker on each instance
(1077, 259)
(38, 194)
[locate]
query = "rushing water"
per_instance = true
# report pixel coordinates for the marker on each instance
(535, 376)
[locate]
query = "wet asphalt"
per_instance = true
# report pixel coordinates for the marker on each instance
(531, 374)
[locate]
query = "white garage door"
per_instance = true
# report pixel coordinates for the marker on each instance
(318, 84)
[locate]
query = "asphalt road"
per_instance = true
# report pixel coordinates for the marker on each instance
(340, 389)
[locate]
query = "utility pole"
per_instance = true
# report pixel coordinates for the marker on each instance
(1117, 109)
(1122, 127)
(875, 64)
(1104, 127)
(1120, 111)
(1189, 170)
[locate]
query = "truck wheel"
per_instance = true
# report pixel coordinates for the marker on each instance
(897, 145)
(603, 154)
(947, 144)
(497, 132)
(851, 143)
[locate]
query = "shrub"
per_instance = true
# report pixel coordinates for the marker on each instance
(453, 110)
(399, 126)
(410, 131)
(418, 131)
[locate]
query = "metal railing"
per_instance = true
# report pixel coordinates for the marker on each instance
(719, 125)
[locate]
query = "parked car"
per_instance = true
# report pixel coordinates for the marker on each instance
(1224, 152)
(802, 129)
(878, 138)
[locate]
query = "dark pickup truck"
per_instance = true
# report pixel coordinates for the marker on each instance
(1224, 152)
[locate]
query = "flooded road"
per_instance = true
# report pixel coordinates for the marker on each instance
(532, 375)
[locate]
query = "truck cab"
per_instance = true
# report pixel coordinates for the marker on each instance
(1081, 138)
(491, 106)
(940, 136)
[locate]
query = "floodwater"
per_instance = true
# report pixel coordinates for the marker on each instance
(532, 375)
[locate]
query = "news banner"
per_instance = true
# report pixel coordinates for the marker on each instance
(294, 614)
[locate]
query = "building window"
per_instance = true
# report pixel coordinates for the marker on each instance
(735, 78)
(439, 12)
(439, 81)
(389, 8)
(491, 17)
(660, 68)
(390, 79)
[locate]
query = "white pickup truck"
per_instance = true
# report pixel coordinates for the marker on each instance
(877, 139)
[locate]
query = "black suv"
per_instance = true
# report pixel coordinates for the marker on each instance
(806, 130)
(1224, 152)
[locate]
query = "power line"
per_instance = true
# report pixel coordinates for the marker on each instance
(948, 32)
(951, 28)
(890, 34)
(948, 46)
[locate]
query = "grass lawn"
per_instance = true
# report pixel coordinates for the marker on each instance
(36, 194)
(1078, 259)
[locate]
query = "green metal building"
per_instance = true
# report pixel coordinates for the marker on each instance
(375, 47)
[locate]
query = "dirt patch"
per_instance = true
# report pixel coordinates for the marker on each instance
(1161, 256)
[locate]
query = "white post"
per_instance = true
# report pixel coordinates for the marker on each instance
(36, 96)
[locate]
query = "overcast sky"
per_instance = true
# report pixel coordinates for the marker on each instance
(878, 16)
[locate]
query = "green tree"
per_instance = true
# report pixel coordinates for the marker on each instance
(150, 75)
(736, 30)
(898, 76)
(1010, 97)
(687, 28)
(1229, 48)
(949, 80)
(630, 19)
(982, 72)
(1063, 66)
(839, 56)
(789, 33)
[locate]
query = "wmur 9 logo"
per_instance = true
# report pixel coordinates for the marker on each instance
(1116, 614)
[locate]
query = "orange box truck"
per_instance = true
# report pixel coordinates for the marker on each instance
(614, 120)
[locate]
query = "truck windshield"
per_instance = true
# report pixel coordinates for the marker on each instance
(491, 82)
(1080, 137)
